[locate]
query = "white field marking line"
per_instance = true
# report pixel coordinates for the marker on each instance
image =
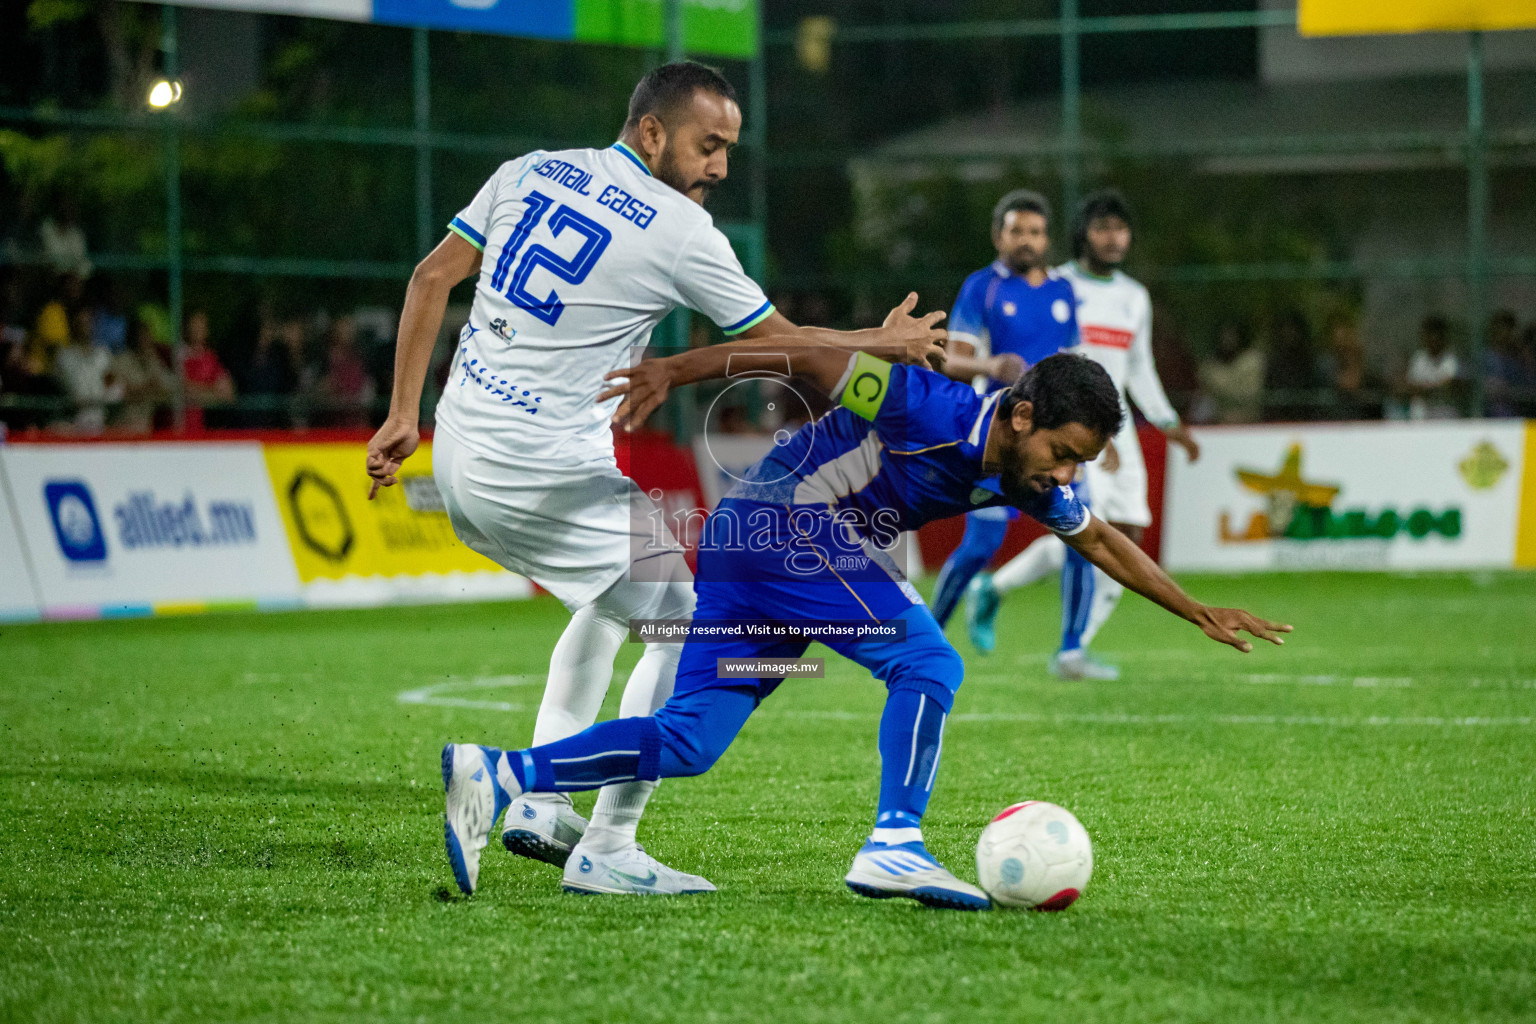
(1257, 678)
(1284, 678)
(1421, 721)
(433, 695)
(1365, 681)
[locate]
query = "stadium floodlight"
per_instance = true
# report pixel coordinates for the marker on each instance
(163, 93)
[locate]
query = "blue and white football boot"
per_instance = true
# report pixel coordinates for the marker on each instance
(881, 871)
(475, 801)
(630, 871)
(1080, 665)
(542, 826)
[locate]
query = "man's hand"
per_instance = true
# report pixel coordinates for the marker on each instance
(923, 341)
(644, 387)
(1007, 367)
(1223, 625)
(1110, 458)
(1181, 436)
(395, 442)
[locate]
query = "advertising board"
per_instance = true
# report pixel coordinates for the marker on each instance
(133, 529)
(1436, 495)
(348, 550)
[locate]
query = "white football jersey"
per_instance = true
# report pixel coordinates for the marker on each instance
(584, 253)
(1114, 321)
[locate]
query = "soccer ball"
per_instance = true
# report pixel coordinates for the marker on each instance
(1034, 855)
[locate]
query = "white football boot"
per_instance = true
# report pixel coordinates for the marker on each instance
(475, 800)
(1079, 664)
(628, 871)
(881, 871)
(542, 828)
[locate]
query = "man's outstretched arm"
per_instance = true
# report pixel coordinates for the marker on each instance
(426, 298)
(903, 338)
(1112, 551)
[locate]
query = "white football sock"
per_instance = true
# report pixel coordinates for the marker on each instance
(1106, 595)
(616, 815)
(579, 672)
(892, 836)
(1044, 556)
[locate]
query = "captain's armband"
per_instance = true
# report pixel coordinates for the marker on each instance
(868, 380)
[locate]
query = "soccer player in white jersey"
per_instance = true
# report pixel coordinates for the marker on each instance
(578, 255)
(1114, 315)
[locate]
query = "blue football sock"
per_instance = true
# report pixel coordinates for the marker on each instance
(621, 750)
(911, 738)
(1076, 599)
(983, 536)
(685, 737)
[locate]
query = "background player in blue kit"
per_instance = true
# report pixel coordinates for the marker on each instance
(1008, 316)
(798, 540)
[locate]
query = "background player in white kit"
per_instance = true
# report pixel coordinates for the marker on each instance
(1114, 315)
(579, 254)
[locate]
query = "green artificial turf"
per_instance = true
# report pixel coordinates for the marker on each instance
(235, 817)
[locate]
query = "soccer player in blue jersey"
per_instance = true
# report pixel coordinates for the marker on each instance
(798, 541)
(1008, 316)
(577, 255)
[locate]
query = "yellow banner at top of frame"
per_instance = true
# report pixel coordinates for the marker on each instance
(1368, 17)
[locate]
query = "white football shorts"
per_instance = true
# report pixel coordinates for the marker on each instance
(575, 528)
(1121, 496)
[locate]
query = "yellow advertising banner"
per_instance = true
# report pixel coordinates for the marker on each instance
(336, 532)
(1525, 530)
(1368, 17)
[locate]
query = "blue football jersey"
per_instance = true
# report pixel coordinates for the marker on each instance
(999, 311)
(903, 448)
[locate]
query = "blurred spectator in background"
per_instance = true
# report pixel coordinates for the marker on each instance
(1526, 353)
(63, 240)
(271, 377)
(1434, 383)
(1356, 389)
(83, 370)
(346, 389)
(13, 331)
(146, 380)
(50, 331)
(1505, 375)
(23, 371)
(207, 381)
(109, 318)
(1290, 376)
(1231, 381)
(296, 341)
(1176, 367)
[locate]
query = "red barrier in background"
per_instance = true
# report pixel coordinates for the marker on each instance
(940, 538)
(657, 463)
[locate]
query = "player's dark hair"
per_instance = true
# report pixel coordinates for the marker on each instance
(1019, 199)
(668, 87)
(1066, 388)
(1106, 202)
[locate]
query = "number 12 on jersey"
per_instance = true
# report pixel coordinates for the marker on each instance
(573, 270)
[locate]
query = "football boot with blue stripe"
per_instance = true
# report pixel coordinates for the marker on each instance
(474, 801)
(882, 871)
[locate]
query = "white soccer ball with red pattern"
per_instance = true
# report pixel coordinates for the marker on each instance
(1034, 855)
